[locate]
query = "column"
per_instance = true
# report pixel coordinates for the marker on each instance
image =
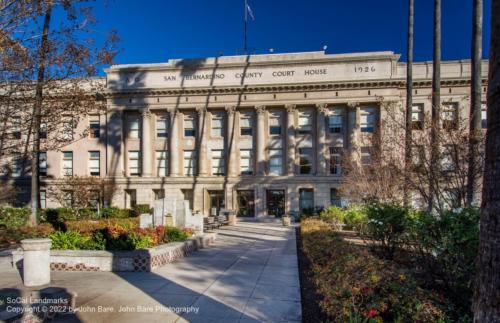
(115, 143)
(146, 144)
(290, 138)
(321, 112)
(231, 142)
(202, 141)
(353, 123)
(260, 152)
(174, 147)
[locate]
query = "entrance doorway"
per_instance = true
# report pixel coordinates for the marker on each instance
(275, 203)
(217, 202)
(246, 203)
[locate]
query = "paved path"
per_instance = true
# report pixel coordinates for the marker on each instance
(249, 275)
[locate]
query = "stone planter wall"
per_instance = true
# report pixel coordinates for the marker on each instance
(137, 260)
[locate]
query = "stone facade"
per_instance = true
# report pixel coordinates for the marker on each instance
(260, 125)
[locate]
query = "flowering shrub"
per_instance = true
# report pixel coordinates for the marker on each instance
(333, 215)
(357, 286)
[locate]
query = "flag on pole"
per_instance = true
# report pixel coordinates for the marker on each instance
(249, 12)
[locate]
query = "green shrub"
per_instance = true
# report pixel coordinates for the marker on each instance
(114, 212)
(387, 226)
(446, 248)
(68, 240)
(175, 234)
(355, 218)
(141, 241)
(356, 286)
(141, 209)
(333, 215)
(11, 217)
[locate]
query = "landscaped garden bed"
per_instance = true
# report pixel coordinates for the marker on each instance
(112, 240)
(398, 265)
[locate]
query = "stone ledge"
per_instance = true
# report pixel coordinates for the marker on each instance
(136, 260)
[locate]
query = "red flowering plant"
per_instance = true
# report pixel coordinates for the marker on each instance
(357, 286)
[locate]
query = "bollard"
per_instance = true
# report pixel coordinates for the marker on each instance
(36, 261)
(231, 218)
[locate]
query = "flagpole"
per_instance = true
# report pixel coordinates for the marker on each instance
(246, 15)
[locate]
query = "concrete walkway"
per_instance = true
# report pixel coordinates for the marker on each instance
(249, 275)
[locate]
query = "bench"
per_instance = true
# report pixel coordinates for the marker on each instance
(209, 223)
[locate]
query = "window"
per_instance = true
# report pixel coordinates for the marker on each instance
(130, 198)
(67, 163)
(218, 162)
(305, 122)
(162, 126)
(484, 123)
(450, 116)
(218, 124)
(43, 130)
(94, 163)
(189, 162)
(95, 198)
(161, 163)
(366, 156)
(335, 161)
(417, 117)
(246, 162)
(275, 162)
(368, 119)
(159, 194)
(335, 199)
(189, 125)
(16, 127)
(43, 199)
(188, 196)
(275, 123)
(134, 163)
(417, 155)
(67, 130)
(335, 121)
(306, 199)
(133, 128)
(42, 163)
(448, 160)
(246, 123)
(16, 166)
(68, 198)
(94, 127)
(305, 160)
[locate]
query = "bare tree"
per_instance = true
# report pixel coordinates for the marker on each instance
(54, 83)
(475, 108)
(486, 294)
(436, 104)
(82, 191)
(409, 97)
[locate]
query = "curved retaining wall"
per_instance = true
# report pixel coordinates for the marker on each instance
(137, 260)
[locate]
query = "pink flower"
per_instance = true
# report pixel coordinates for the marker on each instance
(371, 313)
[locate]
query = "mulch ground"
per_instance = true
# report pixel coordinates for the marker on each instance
(311, 312)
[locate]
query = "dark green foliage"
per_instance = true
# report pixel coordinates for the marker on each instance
(13, 217)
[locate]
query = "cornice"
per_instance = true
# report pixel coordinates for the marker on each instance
(327, 86)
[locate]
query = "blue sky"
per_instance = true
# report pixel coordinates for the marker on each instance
(155, 30)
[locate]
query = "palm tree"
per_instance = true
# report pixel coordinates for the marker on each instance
(485, 301)
(436, 105)
(475, 108)
(409, 99)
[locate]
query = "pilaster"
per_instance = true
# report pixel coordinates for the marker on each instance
(321, 113)
(261, 140)
(146, 143)
(202, 133)
(174, 149)
(290, 138)
(231, 141)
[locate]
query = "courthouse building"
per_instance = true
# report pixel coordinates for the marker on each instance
(261, 134)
